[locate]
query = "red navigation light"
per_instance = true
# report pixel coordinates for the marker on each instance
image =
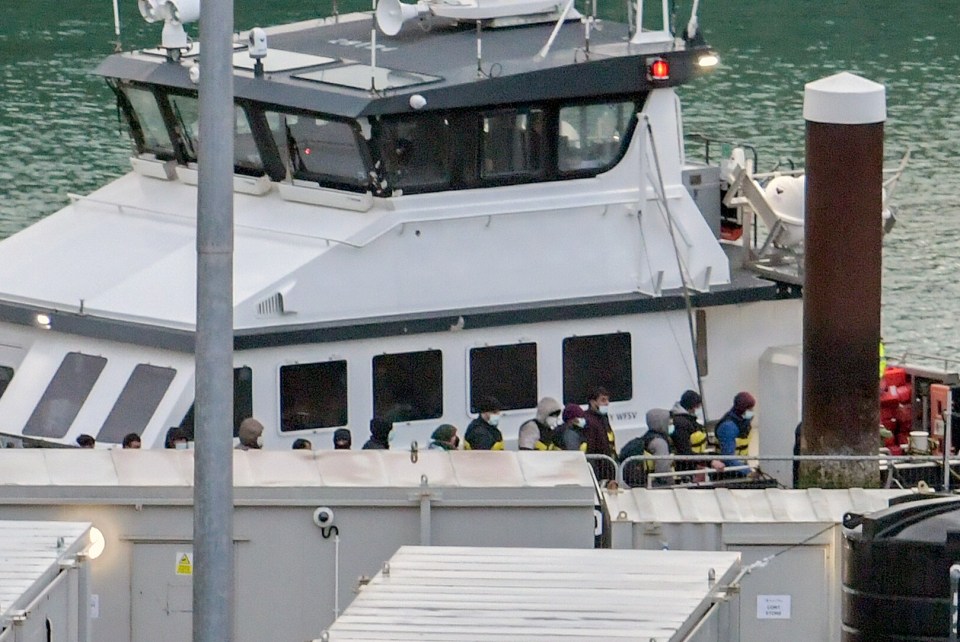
(659, 69)
(306, 151)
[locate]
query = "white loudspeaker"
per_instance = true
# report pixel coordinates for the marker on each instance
(391, 14)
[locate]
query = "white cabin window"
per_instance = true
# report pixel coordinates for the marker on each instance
(507, 372)
(597, 360)
(313, 395)
(592, 137)
(137, 402)
(408, 386)
(64, 396)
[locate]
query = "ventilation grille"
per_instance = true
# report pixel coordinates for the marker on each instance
(272, 306)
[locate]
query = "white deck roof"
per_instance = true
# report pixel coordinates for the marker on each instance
(289, 468)
(31, 553)
(521, 595)
(725, 505)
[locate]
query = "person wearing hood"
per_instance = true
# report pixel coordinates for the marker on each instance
(733, 429)
(688, 436)
(569, 434)
(250, 434)
(482, 433)
(537, 433)
(444, 438)
(379, 435)
(656, 442)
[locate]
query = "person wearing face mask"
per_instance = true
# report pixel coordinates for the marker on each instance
(537, 433)
(444, 438)
(250, 433)
(688, 436)
(733, 430)
(656, 441)
(569, 434)
(482, 433)
(599, 433)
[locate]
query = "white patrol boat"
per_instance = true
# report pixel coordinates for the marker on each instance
(433, 204)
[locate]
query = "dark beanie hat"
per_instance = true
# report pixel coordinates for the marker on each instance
(489, 404)
(342, 436)
(380, 428)
(572, 411)
(690, 399)
(742, 402)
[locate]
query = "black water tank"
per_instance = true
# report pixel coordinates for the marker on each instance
(896, 571)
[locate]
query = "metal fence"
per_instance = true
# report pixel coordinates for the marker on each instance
(697, 471)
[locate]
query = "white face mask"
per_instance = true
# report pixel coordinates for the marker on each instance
(493, 419)
(748, 415)
(580, 422)
(180, 445)
(670, 429)
(553, 421)
(603, 409)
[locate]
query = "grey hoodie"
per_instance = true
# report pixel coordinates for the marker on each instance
(530, 430)
(658, 421)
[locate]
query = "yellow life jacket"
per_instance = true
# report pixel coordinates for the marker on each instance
(698, 442)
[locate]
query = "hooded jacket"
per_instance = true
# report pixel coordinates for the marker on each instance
(688, 436)
(379, 435)
(656, 441)
(250, 432)
(537, 433)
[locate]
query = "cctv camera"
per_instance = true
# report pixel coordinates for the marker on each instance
(257, 43)
(323, 517)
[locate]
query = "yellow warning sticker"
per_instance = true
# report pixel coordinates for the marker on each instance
(184, 563)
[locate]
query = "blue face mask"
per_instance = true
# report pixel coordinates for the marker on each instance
(748, 415)
(670, 429)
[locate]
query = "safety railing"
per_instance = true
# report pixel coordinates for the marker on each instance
(697, 471)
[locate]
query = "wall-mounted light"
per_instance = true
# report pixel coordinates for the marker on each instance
(43, 320)
(97, 543)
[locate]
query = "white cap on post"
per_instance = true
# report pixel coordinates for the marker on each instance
(845, 99)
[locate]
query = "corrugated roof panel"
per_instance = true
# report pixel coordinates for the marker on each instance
(725, 505)
(31, 553)
(478, 594)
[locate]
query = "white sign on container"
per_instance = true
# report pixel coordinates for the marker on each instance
(773, 607)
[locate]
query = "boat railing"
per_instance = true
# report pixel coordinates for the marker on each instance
(893, 471)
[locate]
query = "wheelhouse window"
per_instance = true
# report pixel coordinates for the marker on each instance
(65, 395)
(313, 395)
(6, 376)
(597, 360)
(137, 402)
(416, 152)
(512, 143)
(242, 402)
(147, 125)
(186, 114)
(321, 150)
(592, 137)
(507, 372)
(408, 386)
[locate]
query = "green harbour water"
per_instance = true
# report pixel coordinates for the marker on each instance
(59, 132)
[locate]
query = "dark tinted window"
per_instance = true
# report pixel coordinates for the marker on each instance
(513, 143)
(6, 375)
(313, 395)
(415, 152)
(326, 151)
(597, 360)
(137, 402)
(64, 396)
(409, 386)
(146, 122)
(508, 373)
(242, 401)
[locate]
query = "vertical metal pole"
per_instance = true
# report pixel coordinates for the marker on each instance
(83, 598)
(954, 586)
(425, 527)
(947, 443)
(213, 580)
(843, 239)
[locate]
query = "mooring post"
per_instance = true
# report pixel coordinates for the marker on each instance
(843, 242)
